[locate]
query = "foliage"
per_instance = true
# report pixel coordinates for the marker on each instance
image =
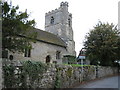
(8, 75)
(78, 65)
(71, 59)
(102, 44)
(15, 28)
(24, 76)
(34, 68)
(57, 80)
(69, 72)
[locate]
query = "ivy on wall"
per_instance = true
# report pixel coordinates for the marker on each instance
(57, 80)
(32, 74)
(8, 75)
(17, 76)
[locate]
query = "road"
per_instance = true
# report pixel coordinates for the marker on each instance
(109, 82)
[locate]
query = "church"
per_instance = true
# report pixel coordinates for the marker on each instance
(55, 42)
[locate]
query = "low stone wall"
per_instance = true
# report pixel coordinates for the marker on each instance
(65, 76)
(105, 71)
(69, 75)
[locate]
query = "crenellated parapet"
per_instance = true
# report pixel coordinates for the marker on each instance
(62, 4)
(53, 11)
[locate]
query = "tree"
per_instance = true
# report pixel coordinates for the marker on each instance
(102, 44)
(15, 28)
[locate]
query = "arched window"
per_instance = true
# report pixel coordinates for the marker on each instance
(48, 59)
(11, 57)
(52, 20)
(58, 55)
(27, 52)
(69, 23)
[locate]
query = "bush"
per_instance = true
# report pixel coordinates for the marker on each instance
(23, 76)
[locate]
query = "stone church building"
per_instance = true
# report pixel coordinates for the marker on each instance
(55, 42)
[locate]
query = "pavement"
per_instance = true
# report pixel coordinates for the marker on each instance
(109, 82)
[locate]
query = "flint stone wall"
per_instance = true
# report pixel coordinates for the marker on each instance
(66, 76)
(69, 75)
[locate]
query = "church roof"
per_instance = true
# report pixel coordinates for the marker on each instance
(50, 38)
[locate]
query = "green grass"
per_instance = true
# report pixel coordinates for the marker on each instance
(78, 65)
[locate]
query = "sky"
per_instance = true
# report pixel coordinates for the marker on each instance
(85, 13)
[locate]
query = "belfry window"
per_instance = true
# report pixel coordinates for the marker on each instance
(69, 22)
(52, 20)
(58, 55)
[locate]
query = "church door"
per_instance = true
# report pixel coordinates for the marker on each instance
(48, 59)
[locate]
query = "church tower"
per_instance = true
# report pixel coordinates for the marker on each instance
(59, 22)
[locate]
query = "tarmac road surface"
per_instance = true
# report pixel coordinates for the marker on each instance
(109, 82)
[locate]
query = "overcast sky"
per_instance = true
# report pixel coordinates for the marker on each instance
(85, 13)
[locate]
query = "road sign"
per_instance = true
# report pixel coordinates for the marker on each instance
(81, 57)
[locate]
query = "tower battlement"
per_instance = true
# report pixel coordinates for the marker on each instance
(58, 9)
(53, 11)
(64, 4)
